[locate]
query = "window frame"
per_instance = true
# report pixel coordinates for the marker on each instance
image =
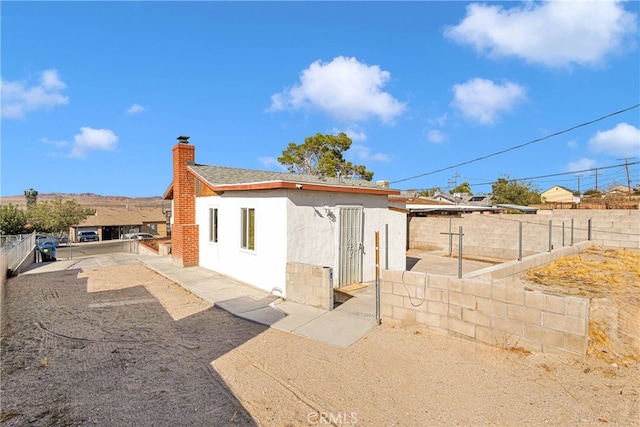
(248, 229)
(213, 225)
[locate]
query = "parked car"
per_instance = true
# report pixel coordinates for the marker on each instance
(141, 236)
(88, 236)
(43, 238)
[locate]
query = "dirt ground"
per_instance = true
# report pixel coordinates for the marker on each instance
(122, 345)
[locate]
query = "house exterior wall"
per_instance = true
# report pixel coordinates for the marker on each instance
(313, 234)
(557, 194)
(264, 267)
(292, 227)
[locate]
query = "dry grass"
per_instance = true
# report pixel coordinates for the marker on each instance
(610, 279)
(596, 272)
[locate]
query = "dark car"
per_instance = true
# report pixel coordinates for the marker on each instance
(88, 236)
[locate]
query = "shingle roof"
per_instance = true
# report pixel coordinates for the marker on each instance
(122, 216)
(220, 175)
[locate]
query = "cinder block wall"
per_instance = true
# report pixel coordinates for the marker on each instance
(497, 236)
(498, 314)
(310, 285)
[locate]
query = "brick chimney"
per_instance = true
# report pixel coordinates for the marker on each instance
(184, 233)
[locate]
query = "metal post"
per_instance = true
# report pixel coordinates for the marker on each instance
(550, 235)
(378, 317)
(571, 231)
(386, 246)
(450, 239)
(520, 241)
(563, 234)
(589, 229)
(460, 253)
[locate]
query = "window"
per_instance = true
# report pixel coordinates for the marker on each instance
(213, 224)
(197, 186)
(247, 240)
(154, 228)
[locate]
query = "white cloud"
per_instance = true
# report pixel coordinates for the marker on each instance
(572, 144)
(552, 33)
(580, 165)
(436, 136)
(346, 89)
(93, 139)
(363, 153)
(19, 98)
(135, 109)
(354, 132)
(482, 100)
(438, 121)
(623, 140)
(272, 163)
(57, 144)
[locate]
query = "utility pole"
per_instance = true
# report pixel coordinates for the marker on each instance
(626, 165)
(596, 179)
(578, 176)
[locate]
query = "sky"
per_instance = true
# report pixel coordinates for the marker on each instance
(432, 94)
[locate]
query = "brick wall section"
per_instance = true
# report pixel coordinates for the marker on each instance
(184, 234)
(498, 235)
(494, 313)
(310, 285)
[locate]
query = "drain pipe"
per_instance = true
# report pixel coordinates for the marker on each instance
(378, 316)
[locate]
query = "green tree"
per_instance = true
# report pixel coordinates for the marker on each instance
(56, 216)
(515, 192)
(12, 220)
(429, 192)
(465, 187)
(322, 155)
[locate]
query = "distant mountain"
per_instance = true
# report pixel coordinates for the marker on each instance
(90, 199)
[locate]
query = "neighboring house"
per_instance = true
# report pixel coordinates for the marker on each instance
(113, 222)
(250, 224)
(558, 194)
(623, 189)
(479, 200)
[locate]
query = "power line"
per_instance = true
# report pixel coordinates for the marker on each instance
(561, 173)
(519, 146)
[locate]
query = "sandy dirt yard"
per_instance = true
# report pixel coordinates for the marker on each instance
(122, 345)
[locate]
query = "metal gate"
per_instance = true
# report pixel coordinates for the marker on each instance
(350, 246)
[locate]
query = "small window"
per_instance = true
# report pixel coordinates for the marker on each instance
(213, 224)
(197, 186)
(154, 227)
(247, 240)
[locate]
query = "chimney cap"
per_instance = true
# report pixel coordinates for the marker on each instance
(183, 139)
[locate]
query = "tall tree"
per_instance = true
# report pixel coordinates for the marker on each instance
(464, 187)
(56, 216)
(12, 220)
(515, 192)
(323, 155)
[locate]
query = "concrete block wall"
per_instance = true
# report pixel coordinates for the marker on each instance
(495, 313)
(497, 236)
(309, 284)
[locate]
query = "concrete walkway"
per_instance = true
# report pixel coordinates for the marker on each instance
(343, 326)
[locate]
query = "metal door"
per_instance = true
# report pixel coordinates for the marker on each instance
(350, 246)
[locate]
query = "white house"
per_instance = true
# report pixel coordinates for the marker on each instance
(249, 224)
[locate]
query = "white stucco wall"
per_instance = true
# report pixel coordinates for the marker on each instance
(293, 226)
(313, 239)
(265, 267)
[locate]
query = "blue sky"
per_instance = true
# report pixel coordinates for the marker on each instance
(94, 94)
